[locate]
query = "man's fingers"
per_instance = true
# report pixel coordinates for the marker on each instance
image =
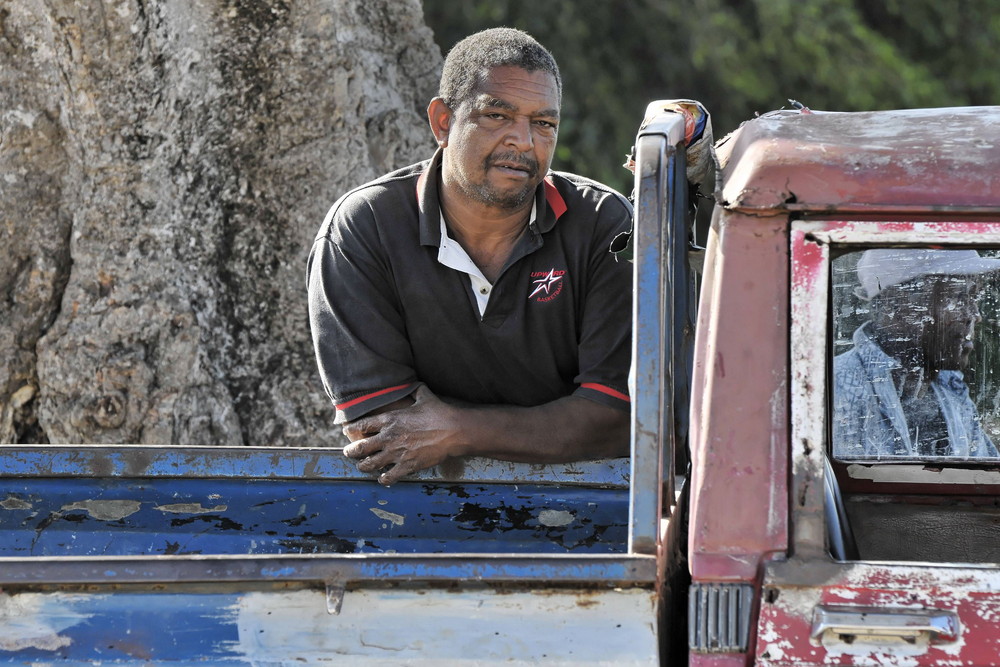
(362, 448)
(361, 428)
(375, 462)
(392, 475)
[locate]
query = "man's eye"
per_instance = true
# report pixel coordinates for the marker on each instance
(546, 124)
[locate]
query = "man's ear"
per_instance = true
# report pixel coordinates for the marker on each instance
(439, 115)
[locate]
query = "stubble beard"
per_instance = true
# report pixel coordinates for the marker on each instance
(505, 199)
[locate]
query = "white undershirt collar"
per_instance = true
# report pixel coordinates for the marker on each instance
(453, 255)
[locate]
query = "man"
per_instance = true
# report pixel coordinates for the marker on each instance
(900, 391)
(469, 305)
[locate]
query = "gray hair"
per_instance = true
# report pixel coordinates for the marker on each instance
(472, 59)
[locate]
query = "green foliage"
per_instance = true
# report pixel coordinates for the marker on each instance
(739, 57)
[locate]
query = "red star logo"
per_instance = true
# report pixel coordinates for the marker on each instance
(545, 283)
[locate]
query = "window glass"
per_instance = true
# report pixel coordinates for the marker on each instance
(916, 369)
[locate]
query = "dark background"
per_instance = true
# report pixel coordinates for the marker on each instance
(739, 57)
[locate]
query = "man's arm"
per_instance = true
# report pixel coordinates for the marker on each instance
(407, 438)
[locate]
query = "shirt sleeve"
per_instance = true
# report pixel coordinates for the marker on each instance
(605, 347)
(356, 321)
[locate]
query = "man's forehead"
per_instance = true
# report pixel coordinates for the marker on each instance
(516, 87)
(487, 101)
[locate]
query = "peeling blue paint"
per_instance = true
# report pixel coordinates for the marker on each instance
(306, 517)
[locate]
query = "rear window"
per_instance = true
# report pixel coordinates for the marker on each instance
(916, 355)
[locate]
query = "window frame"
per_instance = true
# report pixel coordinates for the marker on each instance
(814, 245)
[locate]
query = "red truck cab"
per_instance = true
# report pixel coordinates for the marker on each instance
(800, 552)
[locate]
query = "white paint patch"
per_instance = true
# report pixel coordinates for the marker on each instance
(190, 508)
(876, 653)
(34, 621)
(391, 517)
(774, 651)
(844, 593)
(12, 503)
(554, 518)
(105, 510)
(426, 627)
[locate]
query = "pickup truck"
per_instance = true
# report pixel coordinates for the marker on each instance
(734, 534)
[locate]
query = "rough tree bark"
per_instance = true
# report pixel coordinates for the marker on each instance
(164, 165)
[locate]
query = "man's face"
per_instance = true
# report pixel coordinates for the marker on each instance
(956, 313)
(930, 322)
(500, 143)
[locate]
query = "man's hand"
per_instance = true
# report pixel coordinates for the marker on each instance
(404, 440)
(405, 437)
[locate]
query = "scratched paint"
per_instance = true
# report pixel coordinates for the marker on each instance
(105, 510)
(391, 517)
(555, 518)
(889, 233)
(14, 503)
(174, 517)
(190, 508)
(242, 463)
(903, 160)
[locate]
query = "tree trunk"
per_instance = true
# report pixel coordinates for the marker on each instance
(164, 165)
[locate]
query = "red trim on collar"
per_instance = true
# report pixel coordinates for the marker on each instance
(554, 199)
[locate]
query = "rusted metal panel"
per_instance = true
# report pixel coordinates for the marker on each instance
(972, 595)
(910, 160)
(810, 281)
(372, 627)
(815, 611)
(739, 401)
(888, 233)
(98, 461)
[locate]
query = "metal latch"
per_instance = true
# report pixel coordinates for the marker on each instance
(860, 623)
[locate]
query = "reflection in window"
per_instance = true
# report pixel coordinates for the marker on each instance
(914, 376)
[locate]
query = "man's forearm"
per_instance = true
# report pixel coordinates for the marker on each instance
(567, 429)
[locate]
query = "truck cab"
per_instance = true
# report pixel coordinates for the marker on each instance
(811, 541)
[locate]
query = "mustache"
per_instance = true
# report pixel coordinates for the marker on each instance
(515, 159)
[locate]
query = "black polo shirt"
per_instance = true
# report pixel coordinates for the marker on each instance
(387, 316)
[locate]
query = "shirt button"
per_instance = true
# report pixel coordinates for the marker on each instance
(484, 290)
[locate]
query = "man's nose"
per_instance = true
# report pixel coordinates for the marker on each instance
(519, 135)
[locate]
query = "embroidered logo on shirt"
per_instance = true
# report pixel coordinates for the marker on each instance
(546, 285)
